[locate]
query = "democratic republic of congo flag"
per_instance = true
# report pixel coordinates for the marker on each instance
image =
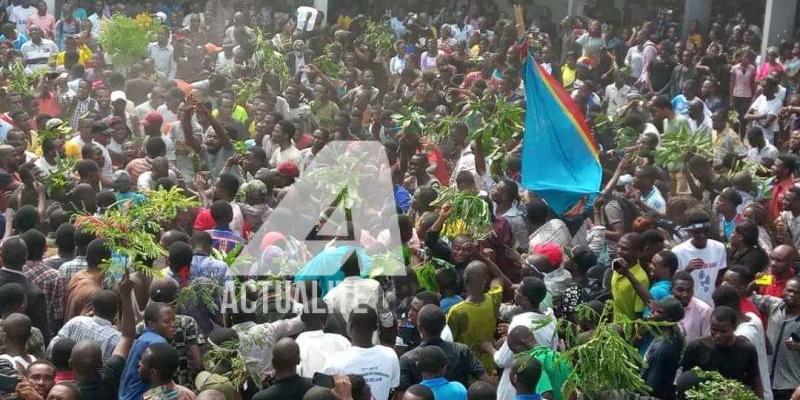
(559, 154)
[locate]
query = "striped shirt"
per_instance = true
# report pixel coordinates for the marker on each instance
(94, 329)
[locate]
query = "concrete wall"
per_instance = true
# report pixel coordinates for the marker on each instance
(697, 10)
(778, 22)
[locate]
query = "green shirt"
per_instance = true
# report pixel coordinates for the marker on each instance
(474, 323)
(555, 372)
(625, 300)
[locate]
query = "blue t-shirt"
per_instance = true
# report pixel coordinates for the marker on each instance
(136, 198)
(131, 386)
(728, 227)
(21, 39)
(402, 198)
(79, 14)
(658, 291)
(681, 105)
(448, 302)
(442, 389)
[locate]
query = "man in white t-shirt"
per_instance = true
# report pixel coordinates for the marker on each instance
(285, 150)
(701, 256)
(528, 295)
(20, 14)
(765, 109)
(759, 147)
(38, 50)
(316, 346)
(378, 364)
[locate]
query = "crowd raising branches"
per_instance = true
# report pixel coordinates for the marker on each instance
(148, 151)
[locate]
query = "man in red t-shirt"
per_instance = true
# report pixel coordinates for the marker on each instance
(781, 267)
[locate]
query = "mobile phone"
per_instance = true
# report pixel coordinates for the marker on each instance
(8, 383)
(323, 380)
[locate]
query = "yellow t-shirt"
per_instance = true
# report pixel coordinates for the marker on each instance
(84, 56)
(35, 146)
(344, 22)
(567, 76)
(625, 300)
(473, 324)
(73, 147)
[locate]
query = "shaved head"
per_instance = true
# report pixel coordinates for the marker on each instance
(475, 272)
(86, 358)
(164, 290)
(286, 354)
(17, 328)
(521, 339)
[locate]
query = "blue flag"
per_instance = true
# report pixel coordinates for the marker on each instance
(559, 154)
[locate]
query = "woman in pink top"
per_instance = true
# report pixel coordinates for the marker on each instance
(743, 85)
(770, 65)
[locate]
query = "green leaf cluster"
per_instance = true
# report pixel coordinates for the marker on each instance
(343, 179)
(328, 67)
(606, 359)
(247, 89)
(267, 57)
(226, 359)
(130, 231)
(60, 178)
(469, 215)
(714, 386)
(126, 39)
(63, 131)
(624, 136)
(678, 144)
(19, 81)
(761, 176)
(202, 292)
(378, 36)
(502, 120)
(411, 119)
(441, 129)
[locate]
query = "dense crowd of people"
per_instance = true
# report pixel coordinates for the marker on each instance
(704, 253)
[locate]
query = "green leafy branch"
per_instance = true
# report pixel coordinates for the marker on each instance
(714, 386)
(761, 176)
(267, 57)
(62, 131)
(678, 144)
(200, 291)
(441, 129)
(60, 178)
(411, 119)
(624, 136)
(19, 81)
(378, 36)
(469, 214)
(226, 359)
(130, 232)
(126, 39)
(606, 359)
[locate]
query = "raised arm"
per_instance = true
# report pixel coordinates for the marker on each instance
(127, 324)
(487, 256)
(186, 125)
(222, 134)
